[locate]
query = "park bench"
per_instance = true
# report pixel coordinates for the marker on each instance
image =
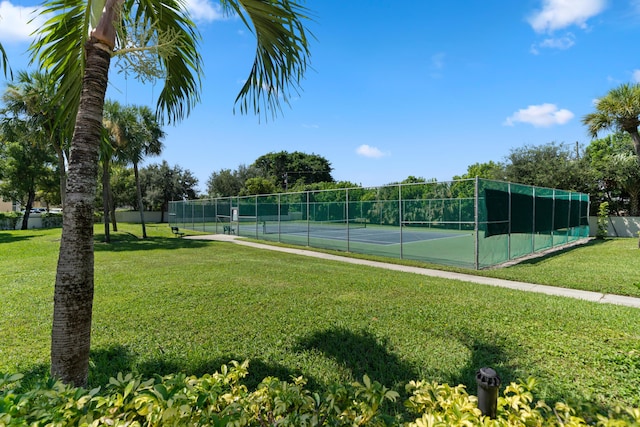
(229, 229)
(177, 232)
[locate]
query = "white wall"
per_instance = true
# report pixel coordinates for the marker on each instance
(35, 220)
(134, 216)
(618, 226)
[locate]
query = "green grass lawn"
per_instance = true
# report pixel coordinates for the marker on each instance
(166, 304)
(607, 266)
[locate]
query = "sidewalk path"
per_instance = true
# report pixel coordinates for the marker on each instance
(544, 289)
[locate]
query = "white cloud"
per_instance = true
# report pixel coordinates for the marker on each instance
(16, 24)
(368, 151)
(543, 115)
(558, 14)
(636, 76)
(558, 43)
(561, 43)
(204, 10)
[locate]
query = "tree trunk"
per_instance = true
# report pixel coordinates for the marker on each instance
(63, 171)
(106, 203)
(140, 207)
(635, 137)
(27, 209)
(634, 202)
(112, 205)
(73, 294)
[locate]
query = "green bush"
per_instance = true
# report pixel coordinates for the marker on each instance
(220, 399)
(9, 220)
(51, 220)
(603, 219)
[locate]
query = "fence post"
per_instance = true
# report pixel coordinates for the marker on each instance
(400, 219)
(476, 227)
(488, 384)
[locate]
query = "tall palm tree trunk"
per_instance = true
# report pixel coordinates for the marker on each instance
(73, 295)
(635, 137)
(106, 201)
(112, 205)
(140, 206)
(63, 172)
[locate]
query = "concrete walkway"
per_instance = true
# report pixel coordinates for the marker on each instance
(529, 287)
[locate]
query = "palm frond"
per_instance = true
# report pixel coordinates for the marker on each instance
(59, 49)
(618, 110)
(4, 60)
(181, 63)
(282, 52)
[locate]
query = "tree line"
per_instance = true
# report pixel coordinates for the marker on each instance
(607, 169)
(34, 152)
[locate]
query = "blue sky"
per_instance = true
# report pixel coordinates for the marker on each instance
(419, 88)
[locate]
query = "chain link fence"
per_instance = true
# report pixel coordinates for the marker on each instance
(474, 223)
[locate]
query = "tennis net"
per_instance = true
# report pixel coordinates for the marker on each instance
(302, 226)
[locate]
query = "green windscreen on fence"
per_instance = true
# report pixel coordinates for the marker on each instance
(473, 223)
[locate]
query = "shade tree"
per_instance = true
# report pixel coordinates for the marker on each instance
(26, 163)
(549, 165)
(162, 183)
(287, 169)
(227, 182)
(612, 160)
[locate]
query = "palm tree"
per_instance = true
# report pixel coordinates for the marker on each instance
(83, 35)
(618, 110)
(107, 151)
(144, 138)
(116, 121)
(32, 96)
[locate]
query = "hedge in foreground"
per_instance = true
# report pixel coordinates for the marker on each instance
(221, 400)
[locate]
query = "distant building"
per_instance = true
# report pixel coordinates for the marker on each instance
(6, 206)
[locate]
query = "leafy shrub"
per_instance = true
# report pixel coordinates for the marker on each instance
(9, 220)
(220, 399)
(603, 218)
(51, 220)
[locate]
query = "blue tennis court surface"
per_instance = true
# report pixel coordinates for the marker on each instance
(381, 236)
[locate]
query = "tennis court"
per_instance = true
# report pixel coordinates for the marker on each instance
(471, 223)
(358, 233)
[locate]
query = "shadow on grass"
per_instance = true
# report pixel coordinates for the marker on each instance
(122, 242)
(556, 252)
(108, 362)
(484, 354)
(361, 353)
(9, 237)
